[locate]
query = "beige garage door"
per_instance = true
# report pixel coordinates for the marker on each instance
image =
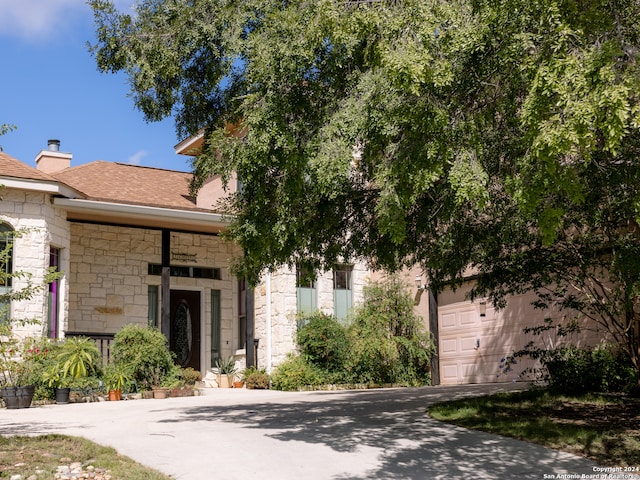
(473, 339)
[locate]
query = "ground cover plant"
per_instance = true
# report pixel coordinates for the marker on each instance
(603, 428)
(27, 456)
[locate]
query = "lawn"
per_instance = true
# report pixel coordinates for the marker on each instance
(605, 429)
(41, 457)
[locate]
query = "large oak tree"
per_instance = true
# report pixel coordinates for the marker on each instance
(498, 135)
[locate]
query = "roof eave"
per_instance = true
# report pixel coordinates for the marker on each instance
(143, 215)
(53, 188)
(191, 146)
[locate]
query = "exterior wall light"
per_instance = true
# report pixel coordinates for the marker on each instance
(419, 284)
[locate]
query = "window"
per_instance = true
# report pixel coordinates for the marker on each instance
(306, 291)
(153, 298)
(215, 326)
(6, 270)
(189, 272)
(53, 295)
(242, 310)
(342, 291)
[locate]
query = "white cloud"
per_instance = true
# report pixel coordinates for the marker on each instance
(136, 158)
(37, 19)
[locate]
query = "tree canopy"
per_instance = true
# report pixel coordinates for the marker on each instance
(498, 135)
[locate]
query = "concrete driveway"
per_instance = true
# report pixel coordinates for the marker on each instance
(244, 434)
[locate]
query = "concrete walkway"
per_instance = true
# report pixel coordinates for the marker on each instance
(244, 434)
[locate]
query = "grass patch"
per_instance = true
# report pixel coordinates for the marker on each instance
(605, 429)
(42, 455)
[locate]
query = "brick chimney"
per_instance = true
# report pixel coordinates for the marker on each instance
(53, 160)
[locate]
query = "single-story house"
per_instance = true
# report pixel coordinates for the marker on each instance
(135, 247)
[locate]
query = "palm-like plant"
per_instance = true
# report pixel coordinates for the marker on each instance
(79, 357)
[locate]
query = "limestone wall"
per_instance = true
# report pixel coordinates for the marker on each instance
(109, 279)
(41, 227)
(284, 308)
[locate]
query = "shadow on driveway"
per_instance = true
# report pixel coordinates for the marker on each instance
(393, 424)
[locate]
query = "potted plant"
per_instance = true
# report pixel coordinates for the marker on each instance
(226, 370)
(17, 360)
(54, 377)
(156, 380)
(116, 376)
(256, 379)
(79, 357)
(173, 381)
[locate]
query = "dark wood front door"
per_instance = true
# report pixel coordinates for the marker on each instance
(185, 327)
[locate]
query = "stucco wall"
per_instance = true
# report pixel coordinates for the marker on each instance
(42, 226)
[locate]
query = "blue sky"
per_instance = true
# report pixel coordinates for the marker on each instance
(50, 88)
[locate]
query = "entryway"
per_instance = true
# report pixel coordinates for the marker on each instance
(185, 327)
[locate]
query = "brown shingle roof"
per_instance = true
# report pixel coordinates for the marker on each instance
(11, 167)
(130, 184)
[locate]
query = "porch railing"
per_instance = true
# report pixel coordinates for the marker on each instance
(103, 342)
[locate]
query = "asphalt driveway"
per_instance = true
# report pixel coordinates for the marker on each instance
(244, 434)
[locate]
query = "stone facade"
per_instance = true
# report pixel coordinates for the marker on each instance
(109, 278)
(40, 227)
(280, 288)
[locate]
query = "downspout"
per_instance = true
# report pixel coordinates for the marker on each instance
(268, 312)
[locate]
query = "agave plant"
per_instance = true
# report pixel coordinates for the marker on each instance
(226, 366)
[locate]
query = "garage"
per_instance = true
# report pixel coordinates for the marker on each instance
(473, 337)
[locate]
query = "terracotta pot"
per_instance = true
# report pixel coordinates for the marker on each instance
(115, 395)
(160, 392)
(237, 384)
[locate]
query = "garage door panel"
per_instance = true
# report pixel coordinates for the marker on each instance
(467, 345)
(449, 374)
(448, 346)
(448, 321)
(468, 318)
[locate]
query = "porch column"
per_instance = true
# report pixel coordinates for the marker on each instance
(165, 308)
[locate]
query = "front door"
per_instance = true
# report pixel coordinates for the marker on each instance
(185, 328)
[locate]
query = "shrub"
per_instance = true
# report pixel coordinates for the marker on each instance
(145, 350)
(385, 343)
(578, 370)
(173, 378)
(323, 341)
(295, 372)
(256, 379)
(388, 342)
(191, 376)
(43, 359)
